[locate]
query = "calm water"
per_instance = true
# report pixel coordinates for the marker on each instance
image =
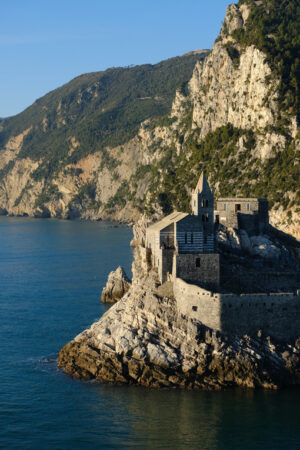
(51, 276)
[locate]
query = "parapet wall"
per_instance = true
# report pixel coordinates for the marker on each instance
(277, 315)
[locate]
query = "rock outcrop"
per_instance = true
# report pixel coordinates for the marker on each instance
(116, 287)
(143, 340)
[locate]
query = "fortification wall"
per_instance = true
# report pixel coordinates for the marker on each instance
(197, 303)
(277, 315)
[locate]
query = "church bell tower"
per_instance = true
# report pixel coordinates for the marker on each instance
(203, 204)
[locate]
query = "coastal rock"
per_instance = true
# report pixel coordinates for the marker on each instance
(229, 237)
(42, 212)
(263, 247)
(139, 231)
(117, 285)
(143, 340)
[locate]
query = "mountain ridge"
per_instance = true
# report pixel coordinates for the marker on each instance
(236, 116)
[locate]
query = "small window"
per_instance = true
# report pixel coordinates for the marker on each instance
(197, 262)
(248, 207)
(185, 238)
(225, 207)
(237, 207)
(207, 218)
(192, 238)
(206, 203)
(194, 308)
(194, 202)
(203, 203)
(203, 218)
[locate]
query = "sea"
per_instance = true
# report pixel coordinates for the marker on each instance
(51, 276)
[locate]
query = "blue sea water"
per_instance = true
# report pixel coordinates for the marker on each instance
(51, 276)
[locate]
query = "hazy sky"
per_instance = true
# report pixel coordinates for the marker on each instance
(45, 43)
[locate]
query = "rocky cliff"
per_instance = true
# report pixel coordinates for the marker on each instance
(237, 116)
(144, 340)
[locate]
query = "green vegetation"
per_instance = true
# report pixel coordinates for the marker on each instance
(122, 196)
(233, 53)
(233, 172)
(7, 168)
(99, 109)
(273, 27)
(50, 192)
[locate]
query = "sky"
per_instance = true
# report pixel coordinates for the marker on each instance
(46, 43)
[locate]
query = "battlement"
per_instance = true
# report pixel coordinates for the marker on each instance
(276, 314)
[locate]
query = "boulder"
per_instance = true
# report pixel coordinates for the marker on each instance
(116, 286)
(263, 247)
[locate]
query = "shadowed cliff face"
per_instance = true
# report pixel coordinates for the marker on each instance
(236, 116)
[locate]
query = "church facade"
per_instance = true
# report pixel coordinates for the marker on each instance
(183, 245)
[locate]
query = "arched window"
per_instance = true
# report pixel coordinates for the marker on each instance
(203, 203)
(203, 218)
(207, 218)
(197, 262)
(206, 203)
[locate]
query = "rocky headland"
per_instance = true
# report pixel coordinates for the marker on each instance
(143, 339)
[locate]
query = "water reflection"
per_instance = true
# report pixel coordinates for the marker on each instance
(233, 419)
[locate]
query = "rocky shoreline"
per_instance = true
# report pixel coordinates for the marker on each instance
(144, 340)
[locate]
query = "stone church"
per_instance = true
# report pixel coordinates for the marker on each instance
(183, 245)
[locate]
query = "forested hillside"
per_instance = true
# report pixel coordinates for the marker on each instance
(126, 141)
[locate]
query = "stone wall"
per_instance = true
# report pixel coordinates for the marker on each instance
(250, 214)
(165, 264)
(197, 303)
(277, 315)
(198, 267)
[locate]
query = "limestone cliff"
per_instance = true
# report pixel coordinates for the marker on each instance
(236, 115)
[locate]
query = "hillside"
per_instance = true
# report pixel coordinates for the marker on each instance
(99, 147)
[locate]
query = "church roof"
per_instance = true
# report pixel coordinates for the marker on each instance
(202, 185)
(168, 220)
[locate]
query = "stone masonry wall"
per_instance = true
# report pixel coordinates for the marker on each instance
(207, 270)
(197, 303)
(277, 315)
(165, 264)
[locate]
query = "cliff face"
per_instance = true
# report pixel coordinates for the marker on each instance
(236, 117)
(143, 339)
